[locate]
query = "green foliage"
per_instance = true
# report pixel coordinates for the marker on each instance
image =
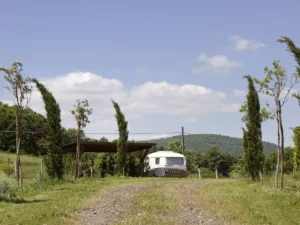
(87, 161)
(133, 164)
(288, 159)
(69, 136)
(7, 168)
(203, 142)
(53, 160)
(174, 146)
(296, 155)
(264, 113)
(81, 113)
(275, 82)
(291, 47)
(254, 157)
(19, 85)
(121, 155)
(270, 164)
(8, 187)
(34, 126)
(214, 159)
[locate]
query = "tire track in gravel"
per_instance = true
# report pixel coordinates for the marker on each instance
(111, 207)
(117, 204)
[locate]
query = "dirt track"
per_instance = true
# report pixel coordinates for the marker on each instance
(119, 206)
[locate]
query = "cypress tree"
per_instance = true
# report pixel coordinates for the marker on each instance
(245, 144)
(296, 153)
(121, 156)
(53, 159)
(254, 148)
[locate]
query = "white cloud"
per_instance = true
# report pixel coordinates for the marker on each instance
(243, 44)
(8, 102)
(188, 101)
(216, 64)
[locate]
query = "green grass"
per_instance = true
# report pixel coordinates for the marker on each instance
(30, 164)
(57, 202)
(244, 202)
(237, 201)
(155, 205)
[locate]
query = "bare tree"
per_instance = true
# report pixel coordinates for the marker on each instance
(80, 112)
(19, 87)
(278, 85)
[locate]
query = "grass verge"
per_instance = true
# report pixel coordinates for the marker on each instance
(244, 202)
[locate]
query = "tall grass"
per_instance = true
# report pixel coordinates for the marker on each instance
(8, 187)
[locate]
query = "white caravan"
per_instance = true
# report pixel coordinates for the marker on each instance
(165, 164)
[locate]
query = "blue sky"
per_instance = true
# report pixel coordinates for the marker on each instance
(126, 49)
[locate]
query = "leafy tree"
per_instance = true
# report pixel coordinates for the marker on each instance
(174, 146)
(278, 85)
(103, 166)
(288, 159)
(81, 113)
(133, 164)
(216, 160)
(69, 135)
(291, 47)
(121, 156)
(296, 155)
(253, 136)
(20, 88)
(270, 164)
(192, 159)
(34, 128)
(103, 139)
(53, 160)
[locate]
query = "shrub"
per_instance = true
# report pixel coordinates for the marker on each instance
(8, 187)
(8, 169)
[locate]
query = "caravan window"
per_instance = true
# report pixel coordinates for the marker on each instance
(174, 161)
(157, 161)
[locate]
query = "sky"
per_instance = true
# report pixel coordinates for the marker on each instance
(167, 63)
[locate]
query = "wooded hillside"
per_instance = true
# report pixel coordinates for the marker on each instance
(202, 142)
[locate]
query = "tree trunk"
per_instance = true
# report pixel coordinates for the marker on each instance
(21, 174)
(18, 167)
(77, 172)
(281, 148)
(261, 178)
(278, 149)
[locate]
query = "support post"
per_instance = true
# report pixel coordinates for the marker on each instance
(261, 177)
(182, 136)
(199, 171)
(143, 155)
(141, 163)
(217, 176)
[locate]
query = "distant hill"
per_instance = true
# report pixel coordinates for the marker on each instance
(202, 142)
